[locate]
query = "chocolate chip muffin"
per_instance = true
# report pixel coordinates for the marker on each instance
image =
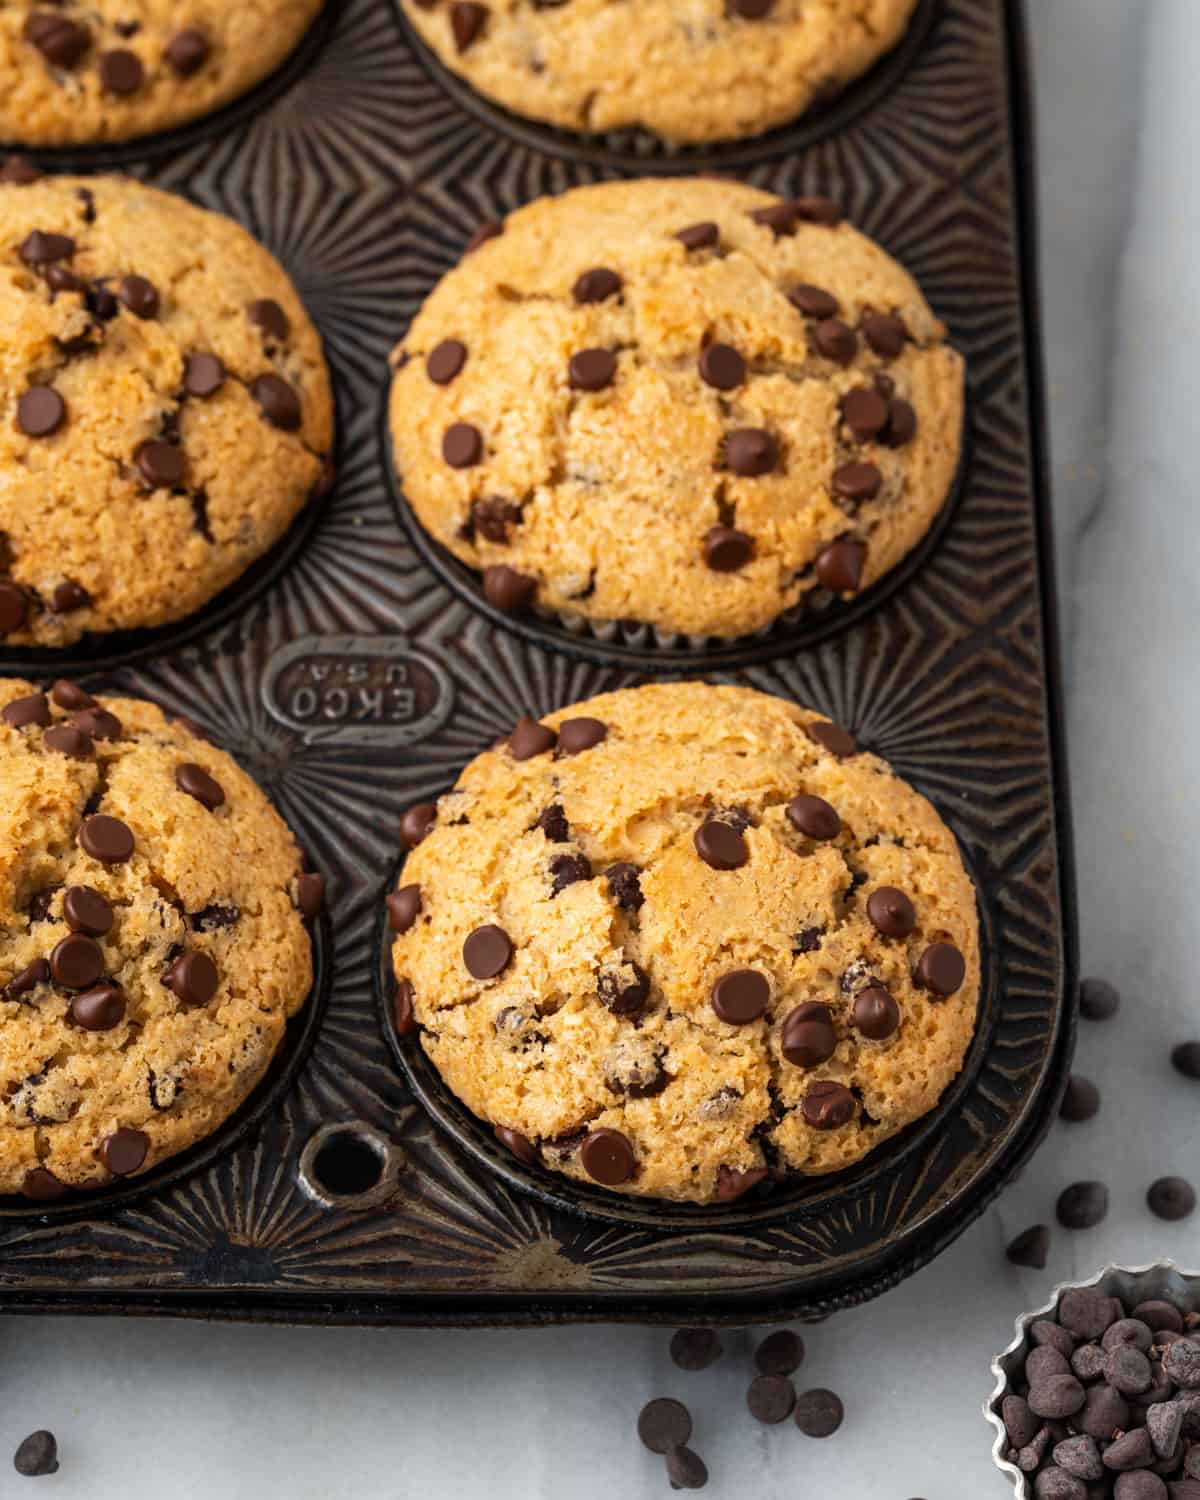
(709, 70)
(681, 937)
(167, 409)
(111, 70)
(686, 403)
(152, 939)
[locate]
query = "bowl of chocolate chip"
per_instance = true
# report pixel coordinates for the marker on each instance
(1098, 1395)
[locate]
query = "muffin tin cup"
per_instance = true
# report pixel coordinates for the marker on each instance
(352, 1187)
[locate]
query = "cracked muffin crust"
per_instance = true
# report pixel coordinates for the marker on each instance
(165, 410)
(111, 70)
(679, 937)
(685, 402)
(703, 70)
(152, 939)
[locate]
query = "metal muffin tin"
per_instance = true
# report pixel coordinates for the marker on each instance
(353, 675)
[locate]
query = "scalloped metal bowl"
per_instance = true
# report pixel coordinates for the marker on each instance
(1134, 1284)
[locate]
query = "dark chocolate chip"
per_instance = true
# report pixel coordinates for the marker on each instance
(700, 236)
(1170, 1198)
(41, 248)
(267, 314)
(624, 990)
(41, 411)
(608, 1157)
(124, 1151)
(624, 886)
(1082, 1205)
(591, 369)
(310, 894)
(813, 301)
(864, 412)
(69, 595)
(76, 961)
(1086, 1313)
(832, 737)
(98, 723)
(1056, 1396)
(203, 374)
(213, 918)
(161, 465)
(520, 1145)
(139, 296)
(780, 1353)
(750, 10)
(941, 969)
(19, 171)
(720, 845)
(771, 1398)
(1081, 1099)
(417, 823)
(21, 712)
(807, 1038)
(751, 452)
(467, 22)
(727, 549)
(462, 445)
(14, 606)
(187, 52)
(902, 423)
(99, 1009)
(828, 1105)
(1098, 1000)
(695, 1348)
(86, 910)
(487, 951)
(506, 589)
(106, 839)
(193, 978)
(577, 735)
(596, 285)
(70, 695)
(1185, 1059)
(733, 1184)
(42, 1186)
(819, 1413)
(403, 1012)
(552, 820)
(686, 1470)
(891, 912)
(779, 218)
(664, 1423)
(404, 907)
(839, 566)
(121, 72)
(722, 367)
(857, 482)
(814, 208)
(568, 869)
(445, 361)
(875, 1013)
(885, 333)
(529, 738)
(741, 996)
(65, 739)
(194, 781)
(28, 979)
(38, 1453)
(277, 401)
(814, 818)
(835, 340)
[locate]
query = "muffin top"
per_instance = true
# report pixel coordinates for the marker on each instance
(679, 936)
(114, 69)
(152, 939)
(166, 406)
(707, 70)
(687, 403)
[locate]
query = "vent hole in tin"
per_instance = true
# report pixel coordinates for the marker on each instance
(347, 1164)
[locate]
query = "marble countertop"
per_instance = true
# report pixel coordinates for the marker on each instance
(157, 1407)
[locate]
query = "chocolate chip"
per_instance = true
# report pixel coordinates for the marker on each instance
(38, 1453)
(891, 912)
(310, 895)
(70, 695)
(819, 1413)
(99, 1009)
(577, 735)
(1185, 1059)
(28, 979)
(42, 1186)
(552, 821)
(839, 566)
(1086, 1313)
(194, 781)
(203, 374)
(76, 961)
(161, 465)
(403, 1011)
(591, 369)
(832, 737)
(187, 52)
(462, 445)
(741, 996)
(750, 452)
(780, 1353)
(857, 482)
(277, 401)
(22, 712)
(60, 279)
(61, 42)
(779, 218)
(865, 412)
(40, 411)
(106, 839)
(771, 1398)
(121, 72)
(98, 723)
(886, 334)
(487, 951)
(814, 208)
(596, 285)
(1056, 1396)
(69, 595)
(1045, 1361)
(807, 1038)
(624, 990)
(1098, 1000)
(445, 361)
(417, 823)
(726, 549)
(568, 869)
(14, 606)
(875, 1013)
(608, 1157)
(65, 739)
(835, 340)
(828, 1105)
(520, 1145)
(467, 21)
(1081, 1099)
(267, 314)
(101, 302)
(193, 978)
(695, 1348)
(720, 845)
(19, 171)
(506, 589)
(664, 1424)
(686, 1470)
(902, 424)
(139, 296)
(941, 969)
(700, 236)
(529, 738)
(493, 517)
(1082, 1205)
(1171, 1198)
(124, 1151)
(722, 367)
(750, 10)
(624, 886)
(404, 907)
(86, 910)
(813, 301)
(1159, 1315)
(814, 818)
(807, 940)
(213, 918)
(733, 1184)
(490, 229)
(40, 247)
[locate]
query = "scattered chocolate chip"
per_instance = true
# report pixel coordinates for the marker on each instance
(780, 1353)
(750, 452)
(506, 589)
(38, 1453)
(857, 482)
(1185, 1059)
(813, 301)
(686, 1470)
(941, 969)
(277, 401)
(591, 369)
(404, 907)
(733, 1184)
(60, 279)
(106, 839)
(722, 367)
(664, 1423)
(65, 739)
(417, 823)
(86, 910)
(61, 42)
(124, 1151)
(779, 218)
(1081, 1099)
(492, 518)
(875, 1013)
(69, 595)
(700, 236)
(814, 208)
(608, 1157)
(750, 10)
(70, 695)
(1085, 1313)
(19, 171)
(99, 1009)
(720, 845)
(886, 334)
(529, 738)
(1098, 1000)
(808, 940)
(771, 1398)
(462, 445)
(267, 314)
(835, 340)
(161, 465)
(14, 606)
(552, 820)
(487, 951)
(807, 1038)
(194, 781)
(40, 247)
(568, 869)
(467, 22)
(814, 818)
(624, 886)
(445, 361)
(193, 978)
(187, 52)
(832, 737)
(98, 723)
(891, 912)
(139, 296)
(577, 735)
(695, 1348)
(625, 989)
(1082, 1205)
(76, 962)
(213, 918)
(1056, 1396)
(902, 423)
(310, 894)
(42, 1186)
(203, 374)
(741, 996)
(41, 411)
(404, 1014)
(828, 1105)
(596, 285)
(22, 712)
(1171, 1198)
(726, 549)
(819, 1413)
(121, 72)
(865, 413)
(520, 1145)
(28, 979)
(839, 566)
